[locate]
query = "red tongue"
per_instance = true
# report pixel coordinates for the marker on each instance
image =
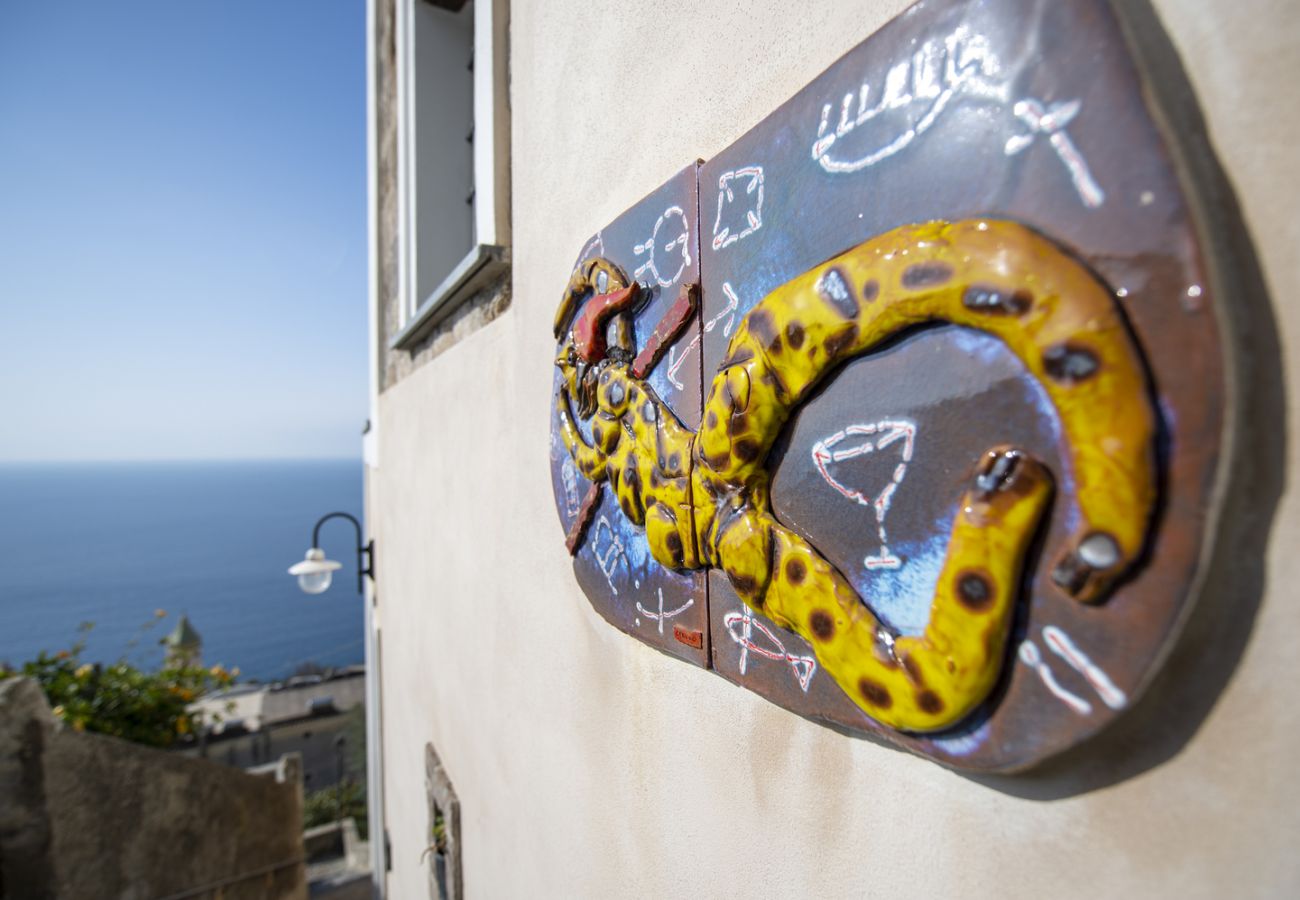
(589, 330)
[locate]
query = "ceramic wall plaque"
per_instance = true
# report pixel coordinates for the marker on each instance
(885, 412)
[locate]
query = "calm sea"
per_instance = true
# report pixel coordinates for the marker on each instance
(112, 543)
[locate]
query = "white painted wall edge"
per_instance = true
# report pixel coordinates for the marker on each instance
(370, 458)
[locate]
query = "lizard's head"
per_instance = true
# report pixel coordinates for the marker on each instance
(601, 291)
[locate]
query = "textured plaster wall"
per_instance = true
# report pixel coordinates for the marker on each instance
(590, 765)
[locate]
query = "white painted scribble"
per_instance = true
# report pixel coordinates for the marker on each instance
(733, 304)
(595, 247)
(728, 312)
(723, 236)
(569, 477)
(663, 615)
(677, 237)
(1051, 121)
(675, 361)
(1064, 646)
(613, 551)
(923, 84)
(877, 436)
(1030, 656)
(803, 667)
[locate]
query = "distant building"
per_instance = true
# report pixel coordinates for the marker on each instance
(184, 646)
(250, 725)
(253, 707)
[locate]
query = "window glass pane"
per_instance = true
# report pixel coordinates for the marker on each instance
(444, 156)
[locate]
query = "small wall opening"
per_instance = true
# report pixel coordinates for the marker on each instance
(443, 853)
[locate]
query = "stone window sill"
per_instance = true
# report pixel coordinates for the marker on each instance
(479, 267)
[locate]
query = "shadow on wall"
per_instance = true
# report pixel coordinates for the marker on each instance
(1171, 711)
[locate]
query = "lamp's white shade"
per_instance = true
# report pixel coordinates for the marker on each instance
(315, 572)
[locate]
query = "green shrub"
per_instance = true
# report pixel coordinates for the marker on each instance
(344, 800)
(120, 699)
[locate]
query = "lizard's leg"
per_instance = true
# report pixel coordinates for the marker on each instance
(589, 460)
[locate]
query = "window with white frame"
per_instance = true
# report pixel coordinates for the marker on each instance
(453, 156)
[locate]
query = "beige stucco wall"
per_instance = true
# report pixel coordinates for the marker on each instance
(588, 764)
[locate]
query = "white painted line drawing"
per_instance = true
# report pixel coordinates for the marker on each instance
(1030, 656)
(925, 82)
(613, 552)
(803, 667)
(733, 304)
(569, 476)
(595, 247)
(878, 436)
(1064, 646)
(723, 236)
(675, 361)
(1061, 644)
(1051, 121)
(677, 237)
(663, 615)
(728, 311)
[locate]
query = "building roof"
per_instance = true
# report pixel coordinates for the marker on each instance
(183, 635)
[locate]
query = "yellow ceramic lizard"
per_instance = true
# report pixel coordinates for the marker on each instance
(703, 497)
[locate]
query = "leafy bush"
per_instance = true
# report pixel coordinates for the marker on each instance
(354, 733)
(120, 699)
(344, 800)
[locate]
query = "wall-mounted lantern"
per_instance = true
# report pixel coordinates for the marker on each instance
(315, 573)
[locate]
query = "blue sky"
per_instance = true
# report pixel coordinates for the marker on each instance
(182, 230)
